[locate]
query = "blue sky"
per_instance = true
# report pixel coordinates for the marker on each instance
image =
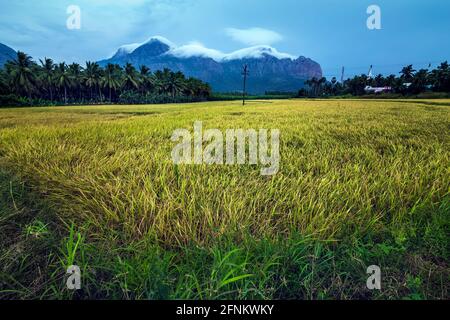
(332, 32)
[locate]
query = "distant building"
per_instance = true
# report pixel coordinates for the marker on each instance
(370, 89)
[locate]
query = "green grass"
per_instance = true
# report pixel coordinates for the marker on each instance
(360, 183)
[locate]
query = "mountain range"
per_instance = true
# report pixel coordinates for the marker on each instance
(270, 70)
(6, 53)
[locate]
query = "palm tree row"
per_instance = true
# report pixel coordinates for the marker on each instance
(62, 83)
(409, 81)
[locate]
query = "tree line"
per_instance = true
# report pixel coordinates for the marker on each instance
(23, 81)
(408, 82)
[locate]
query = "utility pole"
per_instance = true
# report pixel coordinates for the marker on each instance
(342, 75)
(245, 73)
(369, 74)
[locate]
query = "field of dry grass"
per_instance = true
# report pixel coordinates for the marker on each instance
(360, 183)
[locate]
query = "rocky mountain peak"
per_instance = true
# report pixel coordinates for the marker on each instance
(6, 53)
(270, 69)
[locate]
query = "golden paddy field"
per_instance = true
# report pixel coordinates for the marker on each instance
(360, 182)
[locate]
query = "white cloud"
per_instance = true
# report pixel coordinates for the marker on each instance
(257, 52)
(254, 36)
(161, 39)
(197, 49)
(129, 48)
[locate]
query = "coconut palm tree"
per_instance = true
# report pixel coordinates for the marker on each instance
(176, 83)
(407, 73)
(3, 82)
(70, 83)
(379, 81)
(146, 79)
(131, 78)
(160, 81)
(420, 81)
(320, 82)
(21, 74)
(92, 75)
(48, 74)
(440, 77)
(390, 80)
(76, 76)
(63, 79)
(191, 87)
(316, 84)
(312, 83)
(110, 79)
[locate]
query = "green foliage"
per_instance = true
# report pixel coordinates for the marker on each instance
(26, 83)
(410, 83)
(37, 229)
(71, 246)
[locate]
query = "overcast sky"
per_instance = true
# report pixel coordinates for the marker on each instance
(332, 32)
